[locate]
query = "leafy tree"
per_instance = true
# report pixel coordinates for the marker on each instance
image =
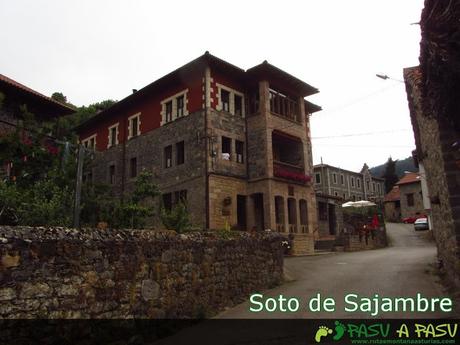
(59, 96)
(390, 174)
(177, 218)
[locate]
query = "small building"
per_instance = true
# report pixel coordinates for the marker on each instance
(392, 205)
(233, 144)
(411, 197)
(17, 98)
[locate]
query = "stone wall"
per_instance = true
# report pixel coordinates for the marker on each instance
(68, 273)
(354, 242)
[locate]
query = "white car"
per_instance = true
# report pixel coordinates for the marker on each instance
(421, 224)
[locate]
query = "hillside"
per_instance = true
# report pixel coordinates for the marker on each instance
(402, 165)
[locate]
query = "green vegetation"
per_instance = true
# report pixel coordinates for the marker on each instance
(39, 184)
(177, 218)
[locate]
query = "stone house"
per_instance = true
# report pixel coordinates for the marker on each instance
(348, 185)
(392, 205)
(333, 187)
(411, 197)
(233, 144)
(433, 91)
(17, 98)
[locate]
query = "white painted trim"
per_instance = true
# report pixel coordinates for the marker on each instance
(232, 93)
(130, 119)
(109, 143)
(88, 140)
(173, 99)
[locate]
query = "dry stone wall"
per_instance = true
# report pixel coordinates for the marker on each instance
(88, 273)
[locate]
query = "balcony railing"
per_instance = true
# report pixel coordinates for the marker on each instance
(284, 106)
(290, 172)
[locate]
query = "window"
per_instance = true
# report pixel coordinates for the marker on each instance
(113, 135)
(318, 178)
(225, 100)
(90, 143)
(168, 111)
(334, 178)
(238, 105)
(133, 167)
(410, 199)
(180, 196)
(112, 174)
(168, 156)
(226, 148)
(322, 211)
(239, 146)
(378, 188)
(336, 194)
(180, 106)
(342, 179)
(367, 184)
(352, 180)
(358, 182)
(134, 126)
(180, 153)
(174, 107)
(344, 196)
(167, 201)
(373, 186)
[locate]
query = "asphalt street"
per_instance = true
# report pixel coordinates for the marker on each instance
(405, 268)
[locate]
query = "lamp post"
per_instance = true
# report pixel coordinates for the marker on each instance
(385, 77)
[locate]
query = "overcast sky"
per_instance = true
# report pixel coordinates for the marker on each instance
(96, 50)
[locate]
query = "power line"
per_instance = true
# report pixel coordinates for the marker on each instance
(361, 134)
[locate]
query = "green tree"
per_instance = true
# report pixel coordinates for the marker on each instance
(177, 218)
(390, 175)
(59, 96)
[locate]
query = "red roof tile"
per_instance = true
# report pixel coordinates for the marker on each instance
(409, 178)
(15, 84)
(393, 195)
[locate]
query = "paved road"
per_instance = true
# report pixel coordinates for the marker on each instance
(403, 269)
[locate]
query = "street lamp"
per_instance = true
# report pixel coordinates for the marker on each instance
(385, 77)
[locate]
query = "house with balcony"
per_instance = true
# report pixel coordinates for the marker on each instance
(233, 144)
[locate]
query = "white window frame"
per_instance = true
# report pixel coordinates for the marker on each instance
(358, 183)
(334, 178)
(232, 93)
(109, 143)
(318, 174)
(342, 179)
(130, 120)
(352, 181)
(173, 100)
(87, 142)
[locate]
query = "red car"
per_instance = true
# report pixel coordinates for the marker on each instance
(411, 220)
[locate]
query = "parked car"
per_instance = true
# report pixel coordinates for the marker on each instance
(421, 224)
(411, 220)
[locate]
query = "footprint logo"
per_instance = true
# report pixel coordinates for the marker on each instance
(339, 330)
(322, 331)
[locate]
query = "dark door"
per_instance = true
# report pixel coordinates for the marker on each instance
(259, 210)
(332, 228)
(241, 211)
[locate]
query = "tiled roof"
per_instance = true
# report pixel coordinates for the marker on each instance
(22, 87)
(393, 195)
(409, 178)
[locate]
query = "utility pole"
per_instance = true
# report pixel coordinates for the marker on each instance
(79, 180)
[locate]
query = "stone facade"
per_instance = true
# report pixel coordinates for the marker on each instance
(411, 200)
(434, 137)
(247, 161)
(89, 273)
(349, 185)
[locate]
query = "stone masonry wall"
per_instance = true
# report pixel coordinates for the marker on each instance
(68, 273)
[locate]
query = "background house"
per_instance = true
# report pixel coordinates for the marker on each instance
(411, 197)
(392, 205)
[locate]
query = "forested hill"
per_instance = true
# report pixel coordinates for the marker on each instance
(401, 166)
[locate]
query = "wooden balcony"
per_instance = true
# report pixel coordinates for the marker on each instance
(290, 172)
